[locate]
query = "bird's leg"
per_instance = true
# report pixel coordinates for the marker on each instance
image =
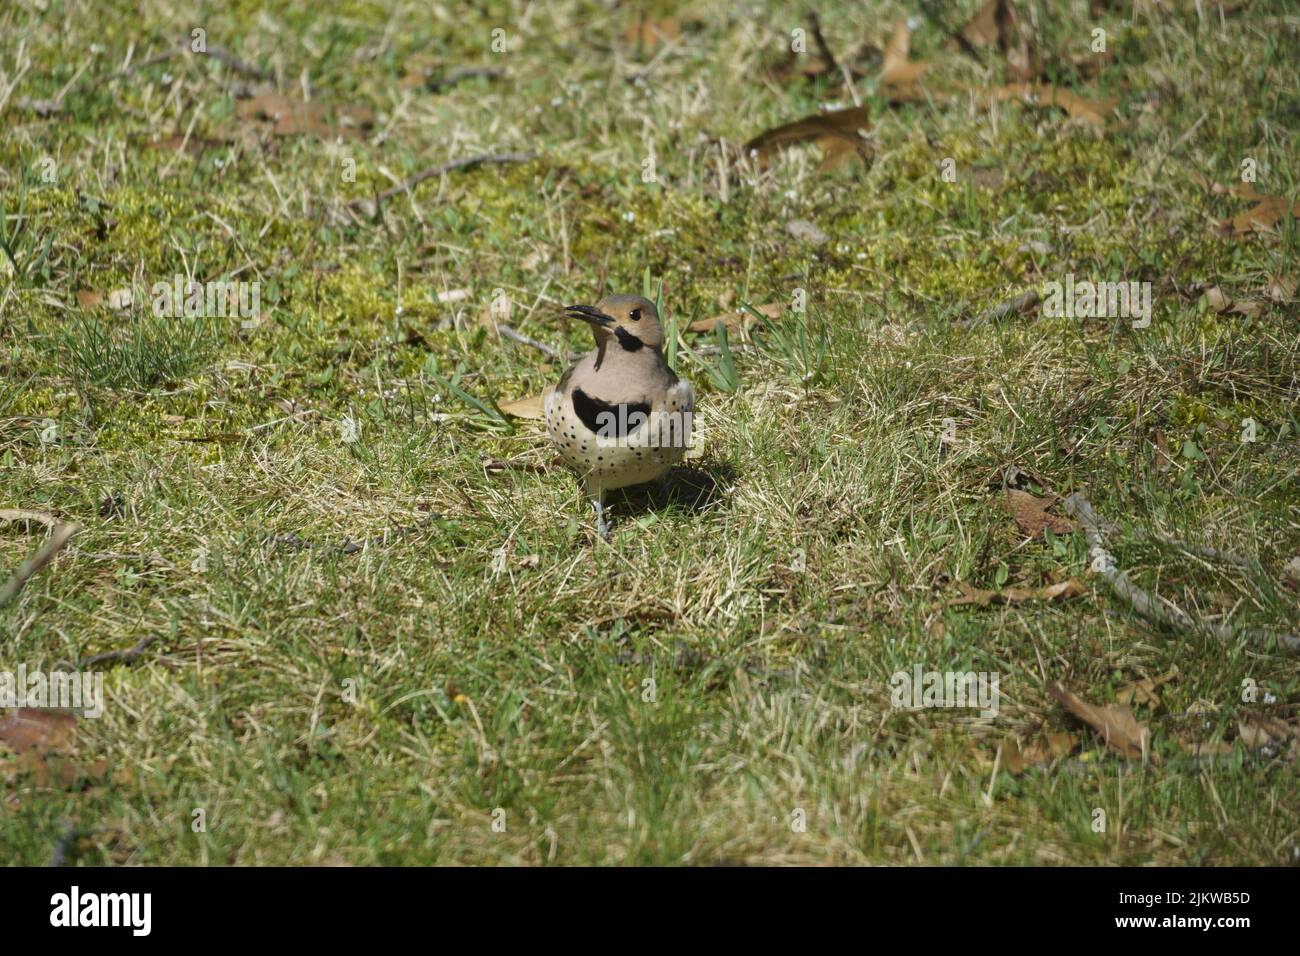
(597, 498)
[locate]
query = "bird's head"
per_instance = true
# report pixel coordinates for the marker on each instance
(629, 322)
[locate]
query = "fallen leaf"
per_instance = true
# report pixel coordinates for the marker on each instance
(294, 117)
(1045, 94)
(1121, 731)
(898, 70)
(1062, 591)
(1031, 515)
(1216, 299)
(738, 321)
(38, 736)
(1218, 748)
(1089, 65)
(989, 23)
(1270, 734)
(1165, 461)
(487, 317)
(1220, 302)
(27, 729)
(1015, 758)
(1282, 288)
(530, 407)
(1243, 190)
(1264, 216)
(996, 23)
(839, 134)
(119, 299)
(89, 298)
(1144, 691)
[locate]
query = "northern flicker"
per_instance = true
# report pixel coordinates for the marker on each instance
(620, 416)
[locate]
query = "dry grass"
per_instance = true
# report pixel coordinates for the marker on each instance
(371, 645)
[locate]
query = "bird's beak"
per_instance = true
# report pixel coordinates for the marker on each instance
(590, 315)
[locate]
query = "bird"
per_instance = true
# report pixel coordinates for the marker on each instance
(619, 415)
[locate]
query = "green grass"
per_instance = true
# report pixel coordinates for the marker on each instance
(139, 350)
(720, 667)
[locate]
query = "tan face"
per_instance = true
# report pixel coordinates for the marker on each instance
(628, 321)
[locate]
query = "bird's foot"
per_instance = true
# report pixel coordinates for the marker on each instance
(598, 502)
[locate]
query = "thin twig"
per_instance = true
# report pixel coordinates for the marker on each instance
(221, 54)
(438, 83)
(154, 60)
(815, 25)
(117, 657)
(522, 339)
(1021, 303)
(218, 53)
(931, 14)
(57, 539)
(1214, 554)
(1151, 607)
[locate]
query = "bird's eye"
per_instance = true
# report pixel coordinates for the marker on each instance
(635, 315)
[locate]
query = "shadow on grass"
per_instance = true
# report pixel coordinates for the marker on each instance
(687, 488)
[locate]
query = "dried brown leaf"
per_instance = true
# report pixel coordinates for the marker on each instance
(289, 116)
(738, 321)
(1045, 94)
(1031, 515)
(32, 729)
(1219, 301)
(1269, 733)
(1282, 288)
(1120, 730)
(1217, 748)
(1037, 753)
(996, 23)
(1216, 299)
(1061, 591)
(897, 69)
(989, 23)
(1143, 691)
(1262, 217)
(532, 406)
(840, 134)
